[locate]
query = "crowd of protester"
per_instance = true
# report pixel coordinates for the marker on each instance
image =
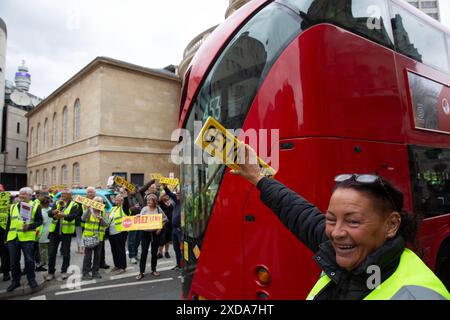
(56, 219)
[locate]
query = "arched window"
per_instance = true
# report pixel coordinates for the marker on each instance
(64, 174)
(65, 122)
(44, 177)
(76, 173)
(45, 135)
(38, 138)
(38, 179)
(31, 141)
(53, 178)
(54, 130)
(76, 120)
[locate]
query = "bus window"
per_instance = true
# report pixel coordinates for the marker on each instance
(368, 18)
(416, 39)
(430, 180)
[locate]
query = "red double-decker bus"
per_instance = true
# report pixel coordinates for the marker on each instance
(354, 87)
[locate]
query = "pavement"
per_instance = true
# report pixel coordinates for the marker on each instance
(74, 283)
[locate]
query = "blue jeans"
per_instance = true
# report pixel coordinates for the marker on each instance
(176, 240)
(27, 247)
(134, 239)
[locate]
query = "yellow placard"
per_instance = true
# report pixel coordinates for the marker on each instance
(143, 222)
(89, 203)
(155, 176)
(4, 208)
(224, 146)
(169, 181)
(186, 251)
(196, 251)
(57, 187)
(122, 182)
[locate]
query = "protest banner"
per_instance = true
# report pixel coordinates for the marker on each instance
(89, 203)
(142, 222)
(122, 182)
(4, 207)
(218, 142)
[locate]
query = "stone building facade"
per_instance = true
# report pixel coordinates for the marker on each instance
(111, 118)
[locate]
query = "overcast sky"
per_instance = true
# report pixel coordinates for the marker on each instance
(57, 38)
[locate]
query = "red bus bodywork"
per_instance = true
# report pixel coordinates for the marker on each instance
(342, 103)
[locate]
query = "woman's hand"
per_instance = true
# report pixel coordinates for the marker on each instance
(250, 169)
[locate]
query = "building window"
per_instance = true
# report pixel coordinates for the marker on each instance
(65, 122)
(17, 153)
(137, 179)
(31, 140)
(76, 120)
(38, 180)
(64, 174)
(53, 178)
(45, 134)
(120, 174)
(38, 138)
(76, 173)
(18, 127)
(44, 177)
(54, 130)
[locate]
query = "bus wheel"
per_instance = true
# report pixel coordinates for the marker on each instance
(443, 264)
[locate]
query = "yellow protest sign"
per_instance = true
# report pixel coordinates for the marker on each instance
(155, 176)
(186, 251)
(57, 187)
(143, 222)
(122, 182)
(4, 208)
(224, 146)
(90, 203)
(171, 182)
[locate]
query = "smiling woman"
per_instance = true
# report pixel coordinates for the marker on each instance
(360, 243)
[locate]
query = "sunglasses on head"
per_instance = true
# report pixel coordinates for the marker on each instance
(365, 179)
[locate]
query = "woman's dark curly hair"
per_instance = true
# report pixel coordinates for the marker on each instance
(388, 199)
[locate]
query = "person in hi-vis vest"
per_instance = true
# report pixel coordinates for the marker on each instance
(360, 243)
(62, 229)
(23, 221)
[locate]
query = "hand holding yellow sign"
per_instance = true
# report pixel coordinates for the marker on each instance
(90, 203)
(143, 222)
(122, 182)
(224, 146)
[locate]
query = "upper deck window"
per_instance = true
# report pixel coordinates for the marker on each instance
(418, 40)
(368, 18)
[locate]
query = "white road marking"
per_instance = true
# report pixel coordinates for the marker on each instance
(82, 283)
(134, 274)
(112, 286)
(43, 297)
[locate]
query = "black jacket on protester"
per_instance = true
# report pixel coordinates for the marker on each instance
(307, 223)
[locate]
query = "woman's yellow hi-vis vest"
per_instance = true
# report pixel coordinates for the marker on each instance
(93, 227)
(117, 214)
(412, 278)
(15, 228)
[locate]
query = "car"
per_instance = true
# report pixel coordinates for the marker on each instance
(108, 196)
